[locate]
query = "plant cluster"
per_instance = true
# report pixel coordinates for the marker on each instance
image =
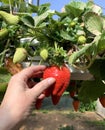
(74, 36)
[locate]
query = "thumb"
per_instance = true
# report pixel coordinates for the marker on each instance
(41, 86)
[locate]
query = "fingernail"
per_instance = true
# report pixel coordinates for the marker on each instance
(51, 80)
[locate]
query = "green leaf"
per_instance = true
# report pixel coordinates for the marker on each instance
(4, 75)
(103, 21)
(91, 90)
(101, 43)
(75, 8)
(3, 87)
(95, 68)
(28, 20)
(1, 96)
(2, 46)
(4, 79)
(12, 1)
(93, 23)
(6, 1)
(43, 8)
(66, 36)
(98, 69)
(39, 19)
(102, 70)
(42, 25)
(92, 7)
(22, 6)
(32, 8)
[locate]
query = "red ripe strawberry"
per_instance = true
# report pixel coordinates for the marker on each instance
(72, 94)
(38, 103)
(62, 76)
(102, 101)
(55, 99)
(76, 104)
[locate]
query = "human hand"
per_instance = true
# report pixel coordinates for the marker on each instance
(21, 94)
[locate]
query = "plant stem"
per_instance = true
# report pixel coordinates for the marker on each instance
(10, 6)
(4, 52)
(32, 59)
(86, 67)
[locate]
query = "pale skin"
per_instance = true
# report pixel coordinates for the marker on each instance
(20, 96)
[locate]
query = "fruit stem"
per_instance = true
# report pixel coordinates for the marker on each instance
(2, 58)
(10, 6)
(55, 44)
(32, 58)
(40, 62)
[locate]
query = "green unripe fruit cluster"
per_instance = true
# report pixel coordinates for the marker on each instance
(72, 24)
(81, 39)
(20, 55)
(3, 33)
(44, 54)
(9, 18)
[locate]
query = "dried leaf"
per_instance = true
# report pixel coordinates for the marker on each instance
(11, 67)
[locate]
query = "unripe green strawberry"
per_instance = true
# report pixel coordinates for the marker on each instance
(72, 24)
(9, 18)
(44, 54)
(20, 55)
(3, 33)
(81, 39)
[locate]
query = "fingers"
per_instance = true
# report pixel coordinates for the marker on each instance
(30, 72)
(41, 96)
(31, 83)
(40, 87)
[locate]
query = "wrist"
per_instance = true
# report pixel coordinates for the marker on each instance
(6, 119)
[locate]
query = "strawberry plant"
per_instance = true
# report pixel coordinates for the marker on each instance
(75, 38)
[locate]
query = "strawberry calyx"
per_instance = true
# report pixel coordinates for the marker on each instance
(52, 55)
(57, 55)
